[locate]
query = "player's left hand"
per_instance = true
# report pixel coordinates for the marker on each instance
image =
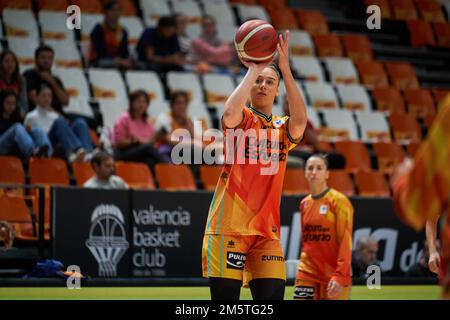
(283, 52)
(333, 289)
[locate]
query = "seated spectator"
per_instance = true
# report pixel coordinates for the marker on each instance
(103, 165)
(74, 138)
(310, 145)
(180, 30)
(109, 40)
(10, 79)
(158, 48)
(7, 235)
(41, 74)
(209, 49)
(134, 135)
(14, 138)
(364, 255)
(420, 268)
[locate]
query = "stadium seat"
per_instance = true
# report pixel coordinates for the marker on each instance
(295, 182)
(283, 18)
(111, 110)
(248, 2)
(189, 8)
(354, 97)
(174, 177)
(209, 174)
(328, 45)
(153, 10)
(107, 85)
(89, 6)
(127, 8)
(374, 126)
(24, 51)
(313, 116)
(402, 75)
(308, 67)
(341, 181)
(11, 173)
(341, 70)
(357, 47)
(221, 11)
(136, 175)
(218, 87)
(246, 12)
(82, 172)
(134, 27)
(312, 21)
(404, 10)
(439, 94)
(420, 102)
(16, 4)
(53, 25)
(301, 43)
(372, 184)
(430, 10)
(389, 100)
(356, 155)
(14, 210)
(270, 4)
(442, 32)
(321, 95)
(405, 128)
(372, 74)
(412, 148)
(339, 125)
(148, 81)
(199, 111)
(389, 154)
(20, 24)
(66, 54)
(88, 22)
(420, 33)
(385, 8)
(51, 5)
(185, 81)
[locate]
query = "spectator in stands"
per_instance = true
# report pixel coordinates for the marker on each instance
(41, 74)
(109, 40)
(310, 145)
(134, 135)
(74, 138)
(7, 235)
(365, 255)
(420, 268)
(10, 79)
(103, 165)
(209, 49)
(158, 48)
(183, 39)
(15, 139)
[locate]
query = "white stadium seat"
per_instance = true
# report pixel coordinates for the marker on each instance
(247, 12)
(339, 125)
(66, 54)
(374, 126)
(20, 24)
(354, 97)
(153, 10)
(107, 85)
(53, 26)
(301, 43)
(24, 50)
(313, 116)
(221, 11)
(111, 111)
(148, 81)
(134, 27)
(308, 67)
(321, 95)
(88, 22)
(342, 70)
(218, 87)
(156, 108)
(185, 81)
(197, 110)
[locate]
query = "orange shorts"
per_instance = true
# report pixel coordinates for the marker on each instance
(242, 257)
(310, 290)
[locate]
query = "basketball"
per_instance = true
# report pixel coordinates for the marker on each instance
(256, 40)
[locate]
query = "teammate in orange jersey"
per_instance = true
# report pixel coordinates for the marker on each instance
(242, 235)
(324, 271)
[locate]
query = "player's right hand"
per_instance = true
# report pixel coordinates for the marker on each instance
(434, 262)
(254, 65)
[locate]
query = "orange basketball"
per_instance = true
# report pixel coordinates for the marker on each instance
(256, 40)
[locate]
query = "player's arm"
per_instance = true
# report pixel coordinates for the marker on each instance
(431, 234)
(232, 114)
(297, 107)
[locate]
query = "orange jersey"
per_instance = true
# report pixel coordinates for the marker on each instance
(327, 224)
(248, 194)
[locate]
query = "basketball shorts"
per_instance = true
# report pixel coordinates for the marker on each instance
(310, 290)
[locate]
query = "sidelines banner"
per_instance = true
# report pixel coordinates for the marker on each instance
(112, 233)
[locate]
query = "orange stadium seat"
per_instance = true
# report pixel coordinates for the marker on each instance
(442, 32)
(175, 177)
(94, 137)
(11, 170)
(402, 75)
(405, 128)
(52, 5)
(412, 148)
(341, 181)
(328, 45)
(357, 47)
(16, 4)
(295, 182)
(420, 102)
(372, 184)
(127, 7)
(270, 4)
(389, 100)
(136, 174)
(82, 172)
(389, 154)
(404, 9)
(283, 18)
(14, 210)
(356, 155)
(428, 120)
(439, 94)
(372, 74)
(385, 8)
(312, 21)
(89, 6)
(430, 10)
(420, 33)
(210, 175)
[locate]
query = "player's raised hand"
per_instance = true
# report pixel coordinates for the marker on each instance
(258, 67)
(283, 51)
(434, 262)
(333, 289)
